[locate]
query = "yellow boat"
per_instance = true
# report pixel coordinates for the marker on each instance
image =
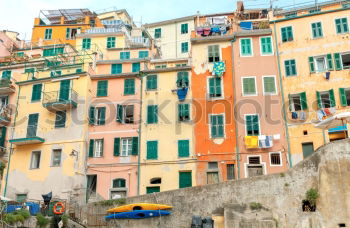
(139, 206)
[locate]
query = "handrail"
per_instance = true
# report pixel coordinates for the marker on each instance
(56, 96)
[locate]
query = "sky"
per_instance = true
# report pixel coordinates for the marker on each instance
(18, 15)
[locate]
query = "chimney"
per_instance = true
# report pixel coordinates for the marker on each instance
(62, 20)
(240, 6)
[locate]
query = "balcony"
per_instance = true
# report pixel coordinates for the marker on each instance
(60, 100)
(138, 41)
(6, 87)
(27, 136)
(5, 115)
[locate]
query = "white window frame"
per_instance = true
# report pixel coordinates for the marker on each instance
(31, 159)
(96, 119)
(96, 149)
(222, 89)
(263, 84)
(292, 33)
(341, 59)
(323, 34)
(128, 150)
(256, 87)
(325, 63)
(52, 157)
(335, 25)
(292, 102)
(240, 47)
(261, 51)
(329, 97)
(278, 152)
(220, 53)
(246, 164)
(224, 120)
(245, 123)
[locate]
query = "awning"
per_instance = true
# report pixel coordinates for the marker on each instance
(335, 121)
(338, 129)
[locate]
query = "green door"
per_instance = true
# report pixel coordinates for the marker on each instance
(32, 125)
(64, 90)
(150, 190)
(308, 149)
(185, 179)
(2, 136)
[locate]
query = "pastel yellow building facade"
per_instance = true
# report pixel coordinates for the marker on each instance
(313, 54)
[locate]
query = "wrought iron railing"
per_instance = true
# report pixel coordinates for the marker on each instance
(5, 83)
(60, 96)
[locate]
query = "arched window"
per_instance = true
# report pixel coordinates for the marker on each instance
(156, 180)
(119, 183)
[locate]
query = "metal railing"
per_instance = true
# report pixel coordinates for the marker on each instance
(4, 82)
(60, 96)
(139, 41)
(27, 131)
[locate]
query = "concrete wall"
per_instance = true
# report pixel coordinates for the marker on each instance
(280, 195)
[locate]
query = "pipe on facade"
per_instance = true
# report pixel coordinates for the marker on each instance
(282, 93)
(140, 123)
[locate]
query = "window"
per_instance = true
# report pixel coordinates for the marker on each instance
(143, 54)
(125, 114)
(252, 125)
(119, 183)
(70, 33)
(183, 147)
(213, 53)
(266, 45)
(249, 86)
(60, 121)
(341, 25)
(321, 63)
(308, 149)
(56, 157)
(6, 74)
(110, 42)
(96, 148)
(152, 189)
(345, 59)
(136, 67)
(184, 112)
(230, 171)
(97, 115)
(117, 68)
(36, 92)
(35, 162)
(212, 177)
(102, 88)
(287, 34)
(126, 147)
(213, 165)
(185, 179)
(184, 47)
(269, 83)
(20, 54)
(275, 159)
(151, 82)
(152, 114)
(316, 30)
(53, 51)
(125, 55)
(157, 33)
(297, 102)
(184, 28)
(290, 67)
(246, 47)
(78, 70)
(215, 89)
(182, 79)
(48, 34)
(32, 125)
(254, 160)
(152, 150)
(217, 126)
(156, 180)
(325, 99)
(21, 198)
(344, 96)
(86, 43)
(129, 86)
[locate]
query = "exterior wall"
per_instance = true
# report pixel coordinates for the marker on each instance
(268, 107)
(221, 150)
(171, 39)
(99, 42)
(301, 49)
(167, 132)
(7, 43)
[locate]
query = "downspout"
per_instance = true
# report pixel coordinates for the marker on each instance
(140, 122)
(234, 112)
(282, 93)
(11, 148)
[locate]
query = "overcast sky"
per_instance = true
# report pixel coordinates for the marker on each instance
(18, 15)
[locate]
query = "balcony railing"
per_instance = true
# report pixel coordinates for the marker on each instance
(60, 100)
(6, 86)
(103, 30)
(139, 41)
(5, 115)
(30, 134)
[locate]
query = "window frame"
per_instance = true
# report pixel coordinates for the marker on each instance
(329, 98)
(31, 159)
(111, 41)
(184, 47)
(325, 63)
(214, 56)
(322, 33)
(256, 88)
(222, 89)
(281, 160)
(341, 60)
(251, 47)
(245, 123)
(182, 26)
(95, 148)
(45, 35)
(292, 101)
(189, 112)
(263, 84)
(129, 149)
(292, 34)
(148, 77)
(261, 49)
(224, 125)
(285, 68)
(335, 25)
(157, 33)
(86, 43)
(53, 156)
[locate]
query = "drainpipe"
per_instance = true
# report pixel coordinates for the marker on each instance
(234, 112)
(282, 93)
(140, 122)
(11, 148)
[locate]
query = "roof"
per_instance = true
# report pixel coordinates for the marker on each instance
(70, 15)
(257, 32)
(180, 19)
(306, 6)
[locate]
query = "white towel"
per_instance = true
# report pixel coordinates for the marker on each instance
(277, 137)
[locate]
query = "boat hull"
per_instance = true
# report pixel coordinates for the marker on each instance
(139, 206)
(138, 214)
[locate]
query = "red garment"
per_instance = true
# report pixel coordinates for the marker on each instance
(327, 111)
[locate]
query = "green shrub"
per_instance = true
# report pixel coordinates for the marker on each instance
(42, 221)
(10, 218)
(255, 206)
(312, 195)
(111, 202)
(24, 213)
(64, 218)
(19, 218)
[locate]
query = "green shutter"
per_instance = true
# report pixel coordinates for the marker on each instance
(91, 148)
(102, 88)
(152, 114)
(330, 62)
(116, 151)
(102, 145)
(3, 136)
(337, 61)
(185, 179)
(135, 67)
(151, 82)
(135, 146)
(152, 189)
(64, 90)
(343, 100)
(152, 150)
(312, 64)
(92, 115)
(303, 100)
(124, 55)
(120, 113)
(110, 42)
(102, 119)
(290, 102)
(183, 148)
(129, 86)
(246, 49)
(249, 86)
(36, 92)
(269, 85)
(331, 97)
(68, 33)
(116, 68)
(319, 101)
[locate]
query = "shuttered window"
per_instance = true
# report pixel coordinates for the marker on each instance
(68, 33)
(266, 45)
(125, 55)
(100, 115)
(213, 53)
(290, 67)
(215, 89)
(341, 25)
(249, 87)
(151, 82)
(297, 101)
(60, 121)
(157, 33)
(152, 150)
(185, 179)
(183, 148)
(96, 148)
(184, 112)
(143, 54)
(217, 127)
(182, 79)
(119, 183)
(252, 125)
(337, 60)
(152, 114)
(129, 86)
(184, 47)
(269, 85)
(246, 47)
(86, 43)
(184, 28)
(287, 34)
(116, 147)
(53, 51)
(126, 146)
(102, 88)
(6, 74)
(152, 189)
(117, 68)
(316, 30)
(110, 42)
(136, 67)
(344, 94)
(325, 99)
(36, 92)
(48, 34)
